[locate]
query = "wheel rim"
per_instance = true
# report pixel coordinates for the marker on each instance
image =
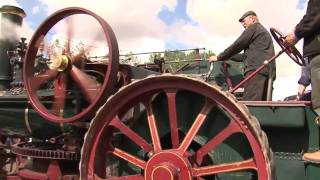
(94, 92)
(176, 161)
(291, 51)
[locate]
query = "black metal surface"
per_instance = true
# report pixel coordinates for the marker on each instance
(11, 18)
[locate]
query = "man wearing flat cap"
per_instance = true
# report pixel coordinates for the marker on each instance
(257, 45)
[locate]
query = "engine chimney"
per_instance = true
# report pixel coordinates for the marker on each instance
(11, 19)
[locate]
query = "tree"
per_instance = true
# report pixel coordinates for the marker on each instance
(174, 60)
(129, 59)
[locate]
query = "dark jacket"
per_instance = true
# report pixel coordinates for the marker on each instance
(309, 29)
(257, 45)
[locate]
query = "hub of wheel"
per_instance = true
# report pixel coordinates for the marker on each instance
(168, 165)
(60, 63)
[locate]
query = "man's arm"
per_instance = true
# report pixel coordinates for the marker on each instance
(301, 90)
(310, 21)
(238, 57)
(241, 43)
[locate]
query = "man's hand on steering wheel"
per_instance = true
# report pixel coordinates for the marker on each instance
(213, 58)
(290, 39)
(287, 45)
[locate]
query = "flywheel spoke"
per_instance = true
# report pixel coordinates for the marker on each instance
(129, 158)
(41, 79)
(88, 86)
(218, 139)
(96, 177)
(196, 126)
(224, 168)
(59, 95)
(153, 127)
(116, 122)
(173, 121)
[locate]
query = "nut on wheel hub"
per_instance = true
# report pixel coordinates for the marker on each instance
(60, 63)
(168, 165)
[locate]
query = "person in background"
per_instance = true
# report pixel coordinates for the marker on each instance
(304, 82)
(308, 29)
(257, 45)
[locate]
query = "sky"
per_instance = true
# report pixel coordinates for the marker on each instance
(157, 25)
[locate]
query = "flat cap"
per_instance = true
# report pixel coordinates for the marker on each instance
(248, 13)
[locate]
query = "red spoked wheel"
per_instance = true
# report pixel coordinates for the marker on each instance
(65, 70)
(173, 127)
(291, 51)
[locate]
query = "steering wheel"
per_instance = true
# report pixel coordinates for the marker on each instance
(292, 51)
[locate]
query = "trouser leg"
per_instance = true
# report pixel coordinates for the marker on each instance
(315, 83)
(256, 88)
(315, 98)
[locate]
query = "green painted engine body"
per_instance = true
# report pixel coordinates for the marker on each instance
(17, 118)
(290, 127)
(291, 131)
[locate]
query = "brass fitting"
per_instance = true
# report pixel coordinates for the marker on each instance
(59, 63)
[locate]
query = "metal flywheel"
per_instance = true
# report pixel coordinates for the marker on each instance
(54, 91)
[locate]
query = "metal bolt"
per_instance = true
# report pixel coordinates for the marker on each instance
(178, 170)
(317, 120)
(150, 154)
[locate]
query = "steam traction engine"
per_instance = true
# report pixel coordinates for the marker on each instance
(131, 123)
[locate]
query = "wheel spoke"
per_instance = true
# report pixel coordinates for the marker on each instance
(131, 177)
(41, 79)
(129, 158)
(224, 168)
(59, 95)
(153, 127)
(116, 122)
(88, 86)
(96, 177)
(215, 141)
(196, 126)
(70, 32)
(171, 95)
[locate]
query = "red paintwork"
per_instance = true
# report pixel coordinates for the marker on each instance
(170, 164)
(95, 93)
(176, 163)
(53, 173)
(131, 134)
(59, 94)
(153, 127)
(171, 95)
(228, 79)
(196, 126)
(278, 103)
